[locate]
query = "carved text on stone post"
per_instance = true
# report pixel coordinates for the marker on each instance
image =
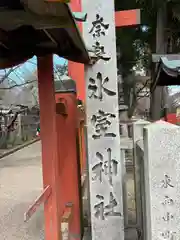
(101, 123)
(103, 211)
(96, 87)
(167, 182)
(168, 201)
(100, 52)
(98, 27)
(107, 165)
(168, 217)
(169, 235)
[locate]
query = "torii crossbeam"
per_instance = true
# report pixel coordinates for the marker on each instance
(122, 19)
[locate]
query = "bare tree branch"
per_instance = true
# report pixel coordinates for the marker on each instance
(19, 85)
(144, 85)
(146, 95)
(6, 75)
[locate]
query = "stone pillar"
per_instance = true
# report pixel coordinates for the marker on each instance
(138, 163)
(124, 129)
(104, 163)
(162, 180)
(125, 206)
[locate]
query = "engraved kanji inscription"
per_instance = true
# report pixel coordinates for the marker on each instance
(97, 87)
(167, 182)
(106, 166)
(103, 211)
(168, 201)
(169, 235)
(101, 122)
(100, 52)
(169, 216)
(99, 27)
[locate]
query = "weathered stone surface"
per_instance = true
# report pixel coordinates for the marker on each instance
(103, 122)
(138, 162)
(162, 181)
(138, 129)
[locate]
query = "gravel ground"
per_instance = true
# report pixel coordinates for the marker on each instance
(20, 184)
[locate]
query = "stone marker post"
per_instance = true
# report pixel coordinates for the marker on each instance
(139, 176)
(103, 122)
(162, 181)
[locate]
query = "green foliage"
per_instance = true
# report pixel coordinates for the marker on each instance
(125, 39)
(151, 4)
(136, 46)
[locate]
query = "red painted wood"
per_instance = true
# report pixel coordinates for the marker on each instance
(127, 18)
(68, 169)
(50, 147)
(172, 118)
(41, 199)
(76, 70)
(75, 5)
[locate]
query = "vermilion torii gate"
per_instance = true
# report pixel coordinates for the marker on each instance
(59, 160)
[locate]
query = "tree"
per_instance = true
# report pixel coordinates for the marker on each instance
(137, 45)
(137, 90)
(167, 15)
(133, 44)
(21, 92)
(25, 85)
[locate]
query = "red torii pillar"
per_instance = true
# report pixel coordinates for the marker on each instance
(50, 148)
(69, 189)
(60, 172)
(59, 156)
(76, 70)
